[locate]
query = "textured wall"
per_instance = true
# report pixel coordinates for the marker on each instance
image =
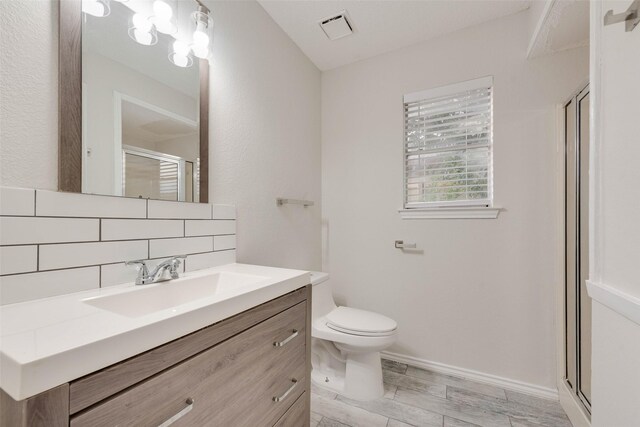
(29, 93)
(481, 294)
(265, 130)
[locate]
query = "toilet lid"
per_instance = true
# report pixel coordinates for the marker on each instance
(360, 322)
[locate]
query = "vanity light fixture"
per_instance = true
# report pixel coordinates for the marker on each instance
(98, 8)
(203, 32)
(179, 54)
(163, 17)
(142, 30)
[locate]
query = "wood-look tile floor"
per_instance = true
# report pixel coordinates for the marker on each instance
(415, 397)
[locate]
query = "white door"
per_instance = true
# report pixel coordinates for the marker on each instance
(615, 218)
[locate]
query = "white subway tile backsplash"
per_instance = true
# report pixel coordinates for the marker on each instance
(18, 259)
(178, 210)
(15, 230)
(25, 287)
(211, 227)
(221, 243)
(56, 243)
(130, 229)
(189, 245)
(17, 201)
(117, 274)
(51, 203)
(209, 259)
(67, 255)
(224, 212)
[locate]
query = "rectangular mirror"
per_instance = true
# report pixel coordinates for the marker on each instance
(134, 98)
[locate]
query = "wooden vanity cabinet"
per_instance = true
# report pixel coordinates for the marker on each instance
(252, 369)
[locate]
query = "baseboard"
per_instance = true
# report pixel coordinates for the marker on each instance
(481, 377)
(572, 407)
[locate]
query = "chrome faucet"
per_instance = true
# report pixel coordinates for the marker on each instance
(157, 275)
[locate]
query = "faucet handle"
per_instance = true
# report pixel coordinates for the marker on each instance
(143, 270)
(175, 263)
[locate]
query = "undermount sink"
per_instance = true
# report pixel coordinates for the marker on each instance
(147, 299)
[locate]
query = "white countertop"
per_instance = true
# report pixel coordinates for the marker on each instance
(51, 341)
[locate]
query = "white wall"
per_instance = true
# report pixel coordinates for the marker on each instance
(265, 133)
(615, 210)
(29, 93)
(481, 294)
(264, 123)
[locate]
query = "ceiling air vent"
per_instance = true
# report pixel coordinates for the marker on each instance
(336, 27)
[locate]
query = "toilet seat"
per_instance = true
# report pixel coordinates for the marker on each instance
(360, 322)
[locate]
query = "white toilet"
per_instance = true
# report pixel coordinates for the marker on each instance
(346, 345)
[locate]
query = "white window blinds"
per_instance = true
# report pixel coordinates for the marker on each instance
(447, 145)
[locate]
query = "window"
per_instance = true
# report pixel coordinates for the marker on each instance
(448, 146)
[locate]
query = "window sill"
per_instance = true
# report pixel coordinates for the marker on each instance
(473, 212)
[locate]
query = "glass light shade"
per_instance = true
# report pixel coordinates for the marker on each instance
(200, 38)
(162, 10)
(180, 48)
(141, 22)
(202, 32)
(163, 17)
(142, 31)
(183, 61)
(179, 55)
(98, 8)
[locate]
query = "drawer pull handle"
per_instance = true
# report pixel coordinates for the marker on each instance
(292, 336)
(180, 414)
(286, 393)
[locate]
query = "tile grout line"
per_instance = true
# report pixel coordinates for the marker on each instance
(139, 239)
(121, 218)
(111, 263)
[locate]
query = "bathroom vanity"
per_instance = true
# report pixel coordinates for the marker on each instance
(250, 368)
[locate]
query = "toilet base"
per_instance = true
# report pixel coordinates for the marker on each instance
(359, 377)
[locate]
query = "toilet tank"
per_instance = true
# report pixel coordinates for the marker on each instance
(321, 297)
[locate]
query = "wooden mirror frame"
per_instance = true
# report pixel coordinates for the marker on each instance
(70, 104)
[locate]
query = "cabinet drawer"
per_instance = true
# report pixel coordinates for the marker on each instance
(297, 415)
(240, 382)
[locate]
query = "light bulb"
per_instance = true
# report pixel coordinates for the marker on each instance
(143, 37)
(141, 30)
(180, 60)
(200, 38)
(180, 48)
(179, 54)
(200, 51)
(162, 10)
(141, 22)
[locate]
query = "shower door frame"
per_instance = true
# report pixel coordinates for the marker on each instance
(576, 388)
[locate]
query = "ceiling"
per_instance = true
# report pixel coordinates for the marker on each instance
(142, 124)
(565, 26)
(379, 25)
